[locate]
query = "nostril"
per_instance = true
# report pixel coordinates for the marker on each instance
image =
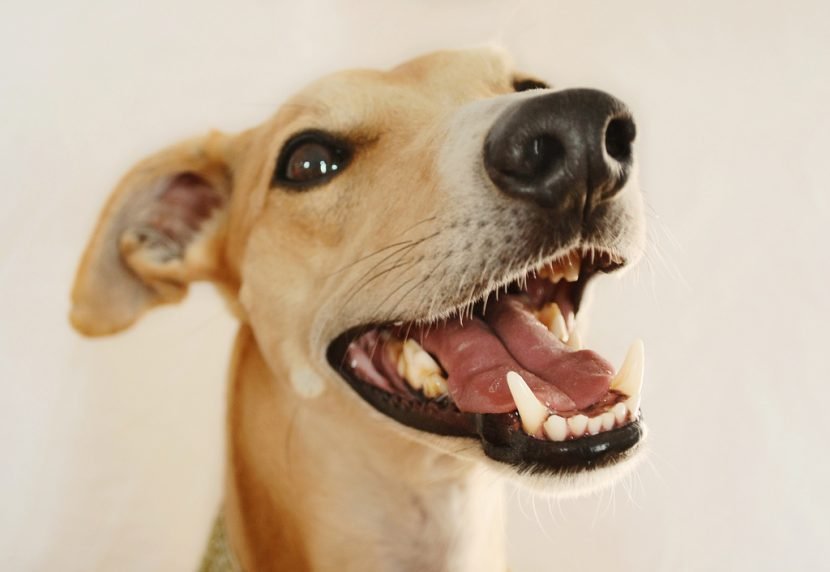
(526, 160)
(619, 135)
(541, 155)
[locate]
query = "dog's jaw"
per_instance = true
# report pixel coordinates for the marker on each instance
(329, 484)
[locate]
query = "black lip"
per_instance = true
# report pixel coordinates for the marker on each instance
(503, 440)
(501, 436)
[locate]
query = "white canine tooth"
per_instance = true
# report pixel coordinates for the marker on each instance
(574, 341)
(594, 424)
(607, 420)
(559, 329)
(556, 428)
(557, 323)
(532, 411)
(629, 379)
(633, 405)
(577, 425)
(620, 412)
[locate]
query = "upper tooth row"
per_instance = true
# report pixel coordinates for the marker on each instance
(567, 268)
(535, 416)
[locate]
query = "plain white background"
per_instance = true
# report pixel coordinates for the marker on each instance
(112, 449)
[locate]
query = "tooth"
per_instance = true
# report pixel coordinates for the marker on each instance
(556, 428)
(544, 315)
(574, 341)
(551, 316)
(629, 379)
(558, 327)
(607, 421)
(633, 405)
(594, 424)
(434, 385)
(577, 425)
(546, 272)
(402, 364)
(532, 411)
(620, 412)
(394, 349)
(418, 366)
(572, 271)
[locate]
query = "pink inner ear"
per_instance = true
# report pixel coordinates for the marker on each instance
(186, 202)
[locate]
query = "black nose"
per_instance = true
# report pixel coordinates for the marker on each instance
(562, 150)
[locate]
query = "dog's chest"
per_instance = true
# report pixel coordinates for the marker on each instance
(454, 528)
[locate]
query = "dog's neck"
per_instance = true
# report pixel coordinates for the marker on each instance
(319, 487)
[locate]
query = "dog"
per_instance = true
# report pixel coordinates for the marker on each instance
(406, 252)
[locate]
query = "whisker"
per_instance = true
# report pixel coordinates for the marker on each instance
(402, 251)
(392, 293)
(379, 274)
(418, 284)
(420, 222)
(362, 258)
(387, 247)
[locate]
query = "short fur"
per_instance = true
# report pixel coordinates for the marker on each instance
(316, 479)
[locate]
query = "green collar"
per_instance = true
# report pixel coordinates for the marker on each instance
(218, 554)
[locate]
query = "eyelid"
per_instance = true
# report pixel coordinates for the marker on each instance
(338, 146)
(528, 83)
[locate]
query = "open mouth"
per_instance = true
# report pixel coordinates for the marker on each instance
(509, 371)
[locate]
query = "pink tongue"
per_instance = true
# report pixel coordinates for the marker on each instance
(583, 375)
(478, 355)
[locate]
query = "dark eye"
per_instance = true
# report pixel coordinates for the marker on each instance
(527, 84)
(310, 159)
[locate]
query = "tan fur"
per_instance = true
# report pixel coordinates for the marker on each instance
(317, 479)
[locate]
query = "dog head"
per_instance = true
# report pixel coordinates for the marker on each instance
(418, 239)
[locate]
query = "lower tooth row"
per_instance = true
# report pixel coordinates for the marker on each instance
(560, 428)
(536, 418)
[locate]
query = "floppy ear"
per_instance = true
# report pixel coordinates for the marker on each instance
(161, 229)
